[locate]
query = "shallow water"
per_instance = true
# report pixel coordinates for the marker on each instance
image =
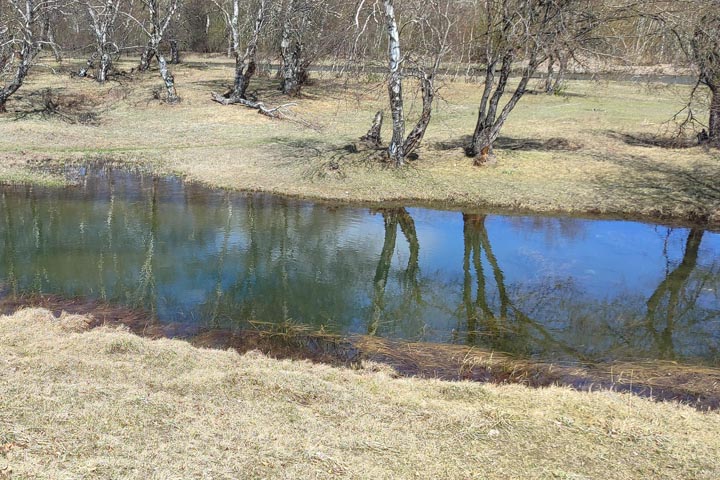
(543, 287)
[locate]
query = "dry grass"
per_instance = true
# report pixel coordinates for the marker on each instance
(107, 404)
(590, 151)
(694, 385)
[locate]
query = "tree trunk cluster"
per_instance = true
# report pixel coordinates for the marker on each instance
(245, 64)
(28, 50)
(554, 80)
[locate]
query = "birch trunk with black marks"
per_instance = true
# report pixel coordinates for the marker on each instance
(105, 67)
(146, 57)
(168, 79)
(415, 137)
(103, 18)
(292, 71)
(246, 63)
(27, 12)
(290, 51)
(156, 31)
(48, 36)
(396, 150)
(435, 42)
(374, 136)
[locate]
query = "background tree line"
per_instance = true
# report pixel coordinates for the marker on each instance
(499, 44)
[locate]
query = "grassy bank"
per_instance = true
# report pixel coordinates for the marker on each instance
(598, 148)
(107, 404)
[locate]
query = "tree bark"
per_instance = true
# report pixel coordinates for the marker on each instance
(174, 52)
(714, 122)
(148, 53)
(290, 51)
(374, 135)
(416, 135)
(105, 67)
(246, 64)
(550, 73)
(396, 150)
(481, 146)
(490, 122)
(27, 53)
(172, 96)
(48, 36)
(560, 78)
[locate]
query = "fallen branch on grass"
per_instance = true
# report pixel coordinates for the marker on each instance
(279, 112)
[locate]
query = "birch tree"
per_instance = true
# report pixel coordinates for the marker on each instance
(21, 39)
(306, 35)
(245, 59)
(695, 27)
(102, 16)
(430, 27)
(156, 25)
(705, 53)
(520, 34)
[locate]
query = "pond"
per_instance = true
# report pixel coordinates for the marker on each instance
(549, 288)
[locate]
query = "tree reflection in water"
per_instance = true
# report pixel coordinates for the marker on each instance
(391, 219)
(665, 306)
(215, 259)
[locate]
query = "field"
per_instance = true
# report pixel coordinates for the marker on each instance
(107, 404)
(599, 148)
(81, 402)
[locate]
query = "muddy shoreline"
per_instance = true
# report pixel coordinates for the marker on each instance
(697, 386)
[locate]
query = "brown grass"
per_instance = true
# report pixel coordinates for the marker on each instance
(108, 404)
(602, 148)
(694, 385)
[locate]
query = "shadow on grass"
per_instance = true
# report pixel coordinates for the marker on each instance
(695, 189)
(562, 94)
(48, 103)
(654, 140)
(508, 143)
(302, 147)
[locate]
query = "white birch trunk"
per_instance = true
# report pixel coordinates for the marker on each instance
(396, 150)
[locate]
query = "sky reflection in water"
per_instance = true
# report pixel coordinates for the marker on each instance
(553, 288)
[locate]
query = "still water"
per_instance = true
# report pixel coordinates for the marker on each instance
(542, 287)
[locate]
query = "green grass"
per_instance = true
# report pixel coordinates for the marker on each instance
(606, 162)
(107, 404)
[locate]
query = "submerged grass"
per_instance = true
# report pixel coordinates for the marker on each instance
(107, 404)
(603, 147)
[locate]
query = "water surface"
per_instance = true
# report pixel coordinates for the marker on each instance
(542, 287)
